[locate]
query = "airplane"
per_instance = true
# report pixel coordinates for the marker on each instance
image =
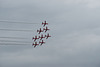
(40, 31)
(35, 44)
(42, 42)
(41, 37)
(44, 23)
(46, 29)
(47, 36)
(35, 38)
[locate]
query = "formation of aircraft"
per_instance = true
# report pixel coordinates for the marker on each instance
(41, 35)
(44, 29)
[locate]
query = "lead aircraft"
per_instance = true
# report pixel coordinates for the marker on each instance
(45, 23)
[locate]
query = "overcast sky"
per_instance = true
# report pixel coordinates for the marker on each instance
(74, 27)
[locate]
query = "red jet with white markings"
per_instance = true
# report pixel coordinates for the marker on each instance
(42, 42)
(35, 44)
(47, 36)
(40, 31)
(46, 29)
(35, 38)
(44, 23)
(41, 37)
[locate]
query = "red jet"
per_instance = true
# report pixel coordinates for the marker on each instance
(35, 44)
(40, 31)
(47, 36)
(42, 42)
(46, 29)
(35, 38)
(41, 37)
(44, 23)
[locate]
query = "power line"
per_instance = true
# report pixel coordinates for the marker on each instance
(22, 22)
